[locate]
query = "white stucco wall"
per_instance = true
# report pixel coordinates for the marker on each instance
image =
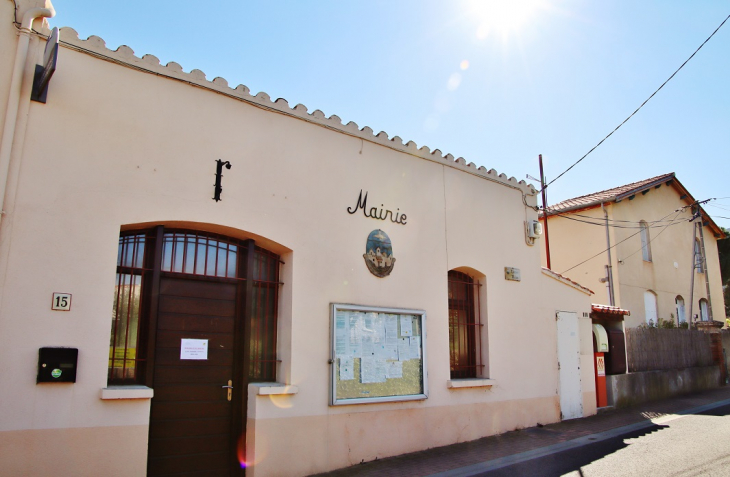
(115, 148)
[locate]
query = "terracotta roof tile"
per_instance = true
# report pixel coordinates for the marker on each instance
(567, 280)
(605, 196)
(611, 310)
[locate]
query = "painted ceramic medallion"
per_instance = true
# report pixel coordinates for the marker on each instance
(379, 254)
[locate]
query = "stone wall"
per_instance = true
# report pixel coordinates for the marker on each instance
(625, 390)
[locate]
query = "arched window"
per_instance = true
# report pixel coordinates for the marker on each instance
(169, 282)
(645, 241)
(704, 310)
(699, 258)
(681, 317)
(650, 310)
(465, 327)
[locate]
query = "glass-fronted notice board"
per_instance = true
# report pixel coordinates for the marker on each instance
(378, 354)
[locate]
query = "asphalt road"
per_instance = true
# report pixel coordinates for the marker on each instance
(685, 445)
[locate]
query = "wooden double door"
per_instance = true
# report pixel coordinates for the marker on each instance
(196, 417)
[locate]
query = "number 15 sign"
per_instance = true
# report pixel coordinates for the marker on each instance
(61, 302)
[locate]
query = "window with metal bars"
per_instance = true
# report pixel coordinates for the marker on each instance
(263, 322)
(126, 353)
(190, 253)
(465, 327)
(197, 254)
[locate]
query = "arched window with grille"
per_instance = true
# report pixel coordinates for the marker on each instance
(465, 326)
(147, 259)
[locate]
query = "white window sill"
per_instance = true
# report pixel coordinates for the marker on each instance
(470, 383)
(268, 389)
(127, 392)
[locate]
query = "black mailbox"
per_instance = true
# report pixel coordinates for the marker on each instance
(57, 365)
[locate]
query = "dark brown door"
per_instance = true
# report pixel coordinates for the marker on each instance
(191, 420)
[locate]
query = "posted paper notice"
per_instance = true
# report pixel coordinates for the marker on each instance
(193, 349)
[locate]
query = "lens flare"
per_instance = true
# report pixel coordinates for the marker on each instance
(280, 401)
(503, 16)
(464, 65)
(454, 82)
(241, 452)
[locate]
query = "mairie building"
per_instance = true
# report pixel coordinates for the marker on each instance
(200, 280)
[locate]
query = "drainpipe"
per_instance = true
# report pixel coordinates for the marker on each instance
(11, 114)
(609, 267)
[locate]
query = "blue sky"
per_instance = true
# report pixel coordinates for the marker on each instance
(472, 78)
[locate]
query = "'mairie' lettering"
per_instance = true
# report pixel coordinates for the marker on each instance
(375, 213)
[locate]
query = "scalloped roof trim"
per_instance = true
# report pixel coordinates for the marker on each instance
(151, 63)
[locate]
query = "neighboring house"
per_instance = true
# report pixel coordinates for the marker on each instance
(654, 248)
(321, 314)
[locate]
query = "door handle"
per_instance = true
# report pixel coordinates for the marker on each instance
(230, 388)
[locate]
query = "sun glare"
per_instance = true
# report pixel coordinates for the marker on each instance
(502, 16)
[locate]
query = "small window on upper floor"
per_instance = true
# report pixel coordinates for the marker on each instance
(645, 241)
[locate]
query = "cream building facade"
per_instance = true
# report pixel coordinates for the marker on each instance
(660, 266)
(204, 328)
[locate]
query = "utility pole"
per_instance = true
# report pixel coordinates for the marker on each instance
(703, 261)
(692, 280)
(544, 215)
(697, 214)
(609, 267)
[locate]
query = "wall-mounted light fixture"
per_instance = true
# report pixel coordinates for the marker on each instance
(218, 176)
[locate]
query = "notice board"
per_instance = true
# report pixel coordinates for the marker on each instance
(378, 354)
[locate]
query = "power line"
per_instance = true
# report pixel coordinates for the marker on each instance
(641, 106)
(602, 223)
(652, 238)
(622, 241)
(615, 220)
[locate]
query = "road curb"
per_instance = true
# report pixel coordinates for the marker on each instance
(501, 462)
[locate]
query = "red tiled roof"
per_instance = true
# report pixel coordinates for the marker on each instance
(610, 195)
(610, 310)
(629, 190)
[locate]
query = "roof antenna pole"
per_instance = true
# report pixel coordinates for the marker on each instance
(544, 215)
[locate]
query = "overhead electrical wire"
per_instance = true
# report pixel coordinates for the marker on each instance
(612, 246)
(614, 220)
(602, 222)
(678, 211)
(652, 238)
(637, 109)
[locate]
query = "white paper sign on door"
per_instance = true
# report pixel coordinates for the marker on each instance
(193, 349)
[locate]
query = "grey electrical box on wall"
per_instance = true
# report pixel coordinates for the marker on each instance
(57, 365)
